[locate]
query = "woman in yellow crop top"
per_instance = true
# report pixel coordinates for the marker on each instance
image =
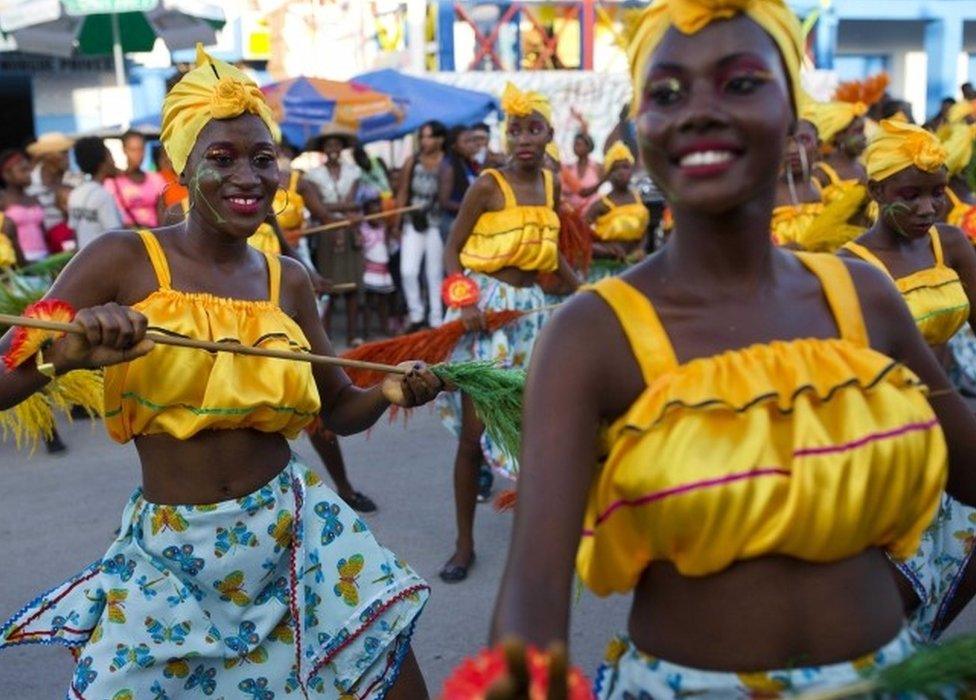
(505, 235)
(619, 219)
(741, 474)
(235, 572)
(798, 200)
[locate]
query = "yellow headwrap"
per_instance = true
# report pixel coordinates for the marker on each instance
(960, 111)
(899, 145)
(831, 118)
(516, 103)
(552, 150)
(691, 16)
(212, 90)
(617, 153)
(958, 141)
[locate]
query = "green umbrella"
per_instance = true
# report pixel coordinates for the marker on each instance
(117, 27)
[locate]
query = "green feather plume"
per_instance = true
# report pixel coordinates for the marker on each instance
(497, 397)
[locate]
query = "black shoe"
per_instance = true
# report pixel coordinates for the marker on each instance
(485, 482)
(55, 445)
(455, 573)
(361, 503)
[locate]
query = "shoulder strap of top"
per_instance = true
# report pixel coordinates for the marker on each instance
(648, 340)
(867, 256)
(547, 180)
(185, 205)
(503, 185)
(829, 172)
(293, 181)
(157, 257)
(936, 246)
(841, 295)
(608, 203)
(953, 198)
(274, 278)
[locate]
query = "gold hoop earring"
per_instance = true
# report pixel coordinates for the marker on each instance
(284, 208)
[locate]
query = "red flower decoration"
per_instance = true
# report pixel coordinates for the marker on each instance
(459, 291)
(968, 224)
(475, 677)
(27, 341)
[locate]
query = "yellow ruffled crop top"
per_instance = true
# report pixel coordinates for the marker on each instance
(811, 448)
(791, 221)
(181, 391)
(837, 187)
(622, 222)
(522, 236)
(934, 295)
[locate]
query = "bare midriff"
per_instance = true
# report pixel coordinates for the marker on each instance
(767, 614)
(212, 466)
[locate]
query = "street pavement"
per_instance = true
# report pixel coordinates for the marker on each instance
(57, 514)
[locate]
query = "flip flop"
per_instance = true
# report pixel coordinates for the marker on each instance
(361, 503)
(455, 573)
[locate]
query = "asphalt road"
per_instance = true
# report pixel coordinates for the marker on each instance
(57, 514)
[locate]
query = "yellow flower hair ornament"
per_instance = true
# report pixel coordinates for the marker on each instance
(958, 140)
(212, 90)
(831, 118)
(899, 145)
(617, 153)
(691, 16)
(518, 103)
(26, 342)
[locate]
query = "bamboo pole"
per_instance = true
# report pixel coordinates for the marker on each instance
(348, 222)
(236, 348)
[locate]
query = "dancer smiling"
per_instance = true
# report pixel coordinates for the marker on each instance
(235, 570)
(753, 468)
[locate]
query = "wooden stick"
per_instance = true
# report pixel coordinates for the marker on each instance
(348, 222)
(236, 348)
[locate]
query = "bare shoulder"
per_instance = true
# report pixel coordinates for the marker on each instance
(954, 241)
(882, 306)
(294, 276)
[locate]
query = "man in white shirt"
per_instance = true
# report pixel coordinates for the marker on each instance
(91, 208)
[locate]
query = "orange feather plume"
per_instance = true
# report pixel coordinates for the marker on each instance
(27, 341)
(869, 91)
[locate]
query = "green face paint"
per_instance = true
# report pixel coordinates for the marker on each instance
(208, 175)
(891, 212)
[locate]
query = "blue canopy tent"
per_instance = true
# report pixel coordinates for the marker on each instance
(422, 100)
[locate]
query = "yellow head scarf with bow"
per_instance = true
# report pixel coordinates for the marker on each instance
(960, 111)
(958, 141)
(899, 145)
(212, 90)
(617, 153)
(691, 16)
(516, 103)
(831, 118)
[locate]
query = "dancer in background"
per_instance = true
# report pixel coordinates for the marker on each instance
(581, 180)
(703, 453)
(840, 127)
(91, 208)
(934, 268)
(235, 572)
(506, 234)
(619, 219)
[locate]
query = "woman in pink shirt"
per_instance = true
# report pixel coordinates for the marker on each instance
(136, 191)
(582, 179)
(22, 209)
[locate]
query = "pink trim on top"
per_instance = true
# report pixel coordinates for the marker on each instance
(860, 442)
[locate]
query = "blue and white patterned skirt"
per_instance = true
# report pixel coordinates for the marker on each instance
(284, 590)
(510, 346)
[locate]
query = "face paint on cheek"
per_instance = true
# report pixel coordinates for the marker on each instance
(892, 212)
(206, 175)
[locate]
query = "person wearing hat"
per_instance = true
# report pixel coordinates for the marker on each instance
(50, 155)
(338, 255)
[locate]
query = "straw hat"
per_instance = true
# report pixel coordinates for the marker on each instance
(52, 142)
(332, 131)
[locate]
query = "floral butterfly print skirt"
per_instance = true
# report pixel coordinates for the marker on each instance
(283, 591)
(629, 674)
(510, 346)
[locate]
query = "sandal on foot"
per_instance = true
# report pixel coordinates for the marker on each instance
(455, 573)
(360, 502)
